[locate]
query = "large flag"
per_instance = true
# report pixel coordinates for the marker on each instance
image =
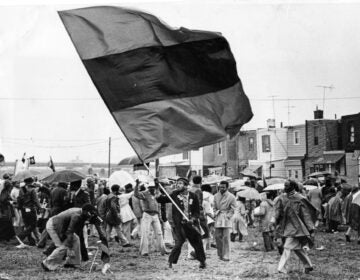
(168, 90)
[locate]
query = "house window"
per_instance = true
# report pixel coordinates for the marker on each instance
(219, 149)
(186, 155)
(296, 174)
(316, 135)
(266, 143)
(289, 173)
(251, 143)
(352, 133)
(296, 138)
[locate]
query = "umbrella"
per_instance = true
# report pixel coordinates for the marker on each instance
(275, 187)
(249, 193)
(319, 174)
(310, 187)
(312, 181)
(121, 178)
(238, 185)
(66, 176)
(21, 175)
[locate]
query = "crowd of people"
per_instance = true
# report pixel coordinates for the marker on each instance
(165, 214)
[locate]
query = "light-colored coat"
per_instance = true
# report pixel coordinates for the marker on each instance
(265, 215)
(224, 206)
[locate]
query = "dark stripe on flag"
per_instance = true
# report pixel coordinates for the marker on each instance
(170, 125)
(159, 73)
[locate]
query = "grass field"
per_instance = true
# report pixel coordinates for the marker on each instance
(339, 260)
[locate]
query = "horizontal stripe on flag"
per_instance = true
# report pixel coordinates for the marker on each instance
(100, 31)
(157, 73)
(172, 126)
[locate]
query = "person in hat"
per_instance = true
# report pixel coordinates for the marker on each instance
(224, 207)
(63, 230)
(185, 228)
(28, 203)
(150, 218)
(295, 219)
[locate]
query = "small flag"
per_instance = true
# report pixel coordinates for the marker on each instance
(169, 90)
(23, 158)
(51, 164)
(32, 160)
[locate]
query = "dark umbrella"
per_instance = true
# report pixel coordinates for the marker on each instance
(130, 161)
(66, 176)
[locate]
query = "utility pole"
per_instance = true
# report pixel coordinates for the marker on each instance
(324, 91)
(109, 157)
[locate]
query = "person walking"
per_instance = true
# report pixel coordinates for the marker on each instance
(113, 218)
(185, 229)
(224, 207)
(333, 211)
(7, 231)
(315, 197)
(28, 203)
(265, 215)
(150, 219)
(295, 219)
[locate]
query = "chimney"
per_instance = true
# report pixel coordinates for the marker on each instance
(318, 114)
(270, 123)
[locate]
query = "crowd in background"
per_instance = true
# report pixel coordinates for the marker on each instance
(214, 217)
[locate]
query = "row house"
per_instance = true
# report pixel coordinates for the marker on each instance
(350, 139)
(323, 146)
(296, 150)
(271, 150)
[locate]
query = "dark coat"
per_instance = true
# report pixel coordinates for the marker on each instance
(194, 207)
(57, 200)
(112, 216)
(81, 198)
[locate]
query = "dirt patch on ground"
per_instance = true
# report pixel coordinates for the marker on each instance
(339, 260)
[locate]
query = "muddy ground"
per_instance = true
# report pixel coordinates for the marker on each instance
(339, 260)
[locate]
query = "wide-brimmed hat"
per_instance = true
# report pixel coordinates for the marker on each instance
(186, 181)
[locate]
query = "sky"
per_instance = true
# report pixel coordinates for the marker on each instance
(285, 52)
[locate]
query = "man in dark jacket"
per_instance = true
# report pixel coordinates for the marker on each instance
(78, 196)
(183, 228)
(58, 199)
(112, 216)
(28, 203)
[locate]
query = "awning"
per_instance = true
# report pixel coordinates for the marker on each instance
(252, 168)
(329, 158)
(294, 160)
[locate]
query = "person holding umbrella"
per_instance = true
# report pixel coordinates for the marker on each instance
(224, 206)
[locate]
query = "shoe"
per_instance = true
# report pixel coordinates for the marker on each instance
(44, 266)
(40, 246)
(170, 265)
(202, 265)
(192, 254)
(225, 260)
(127, 245)
(232, 237)
(308, 269)
(347, 237)
(145, 255)
(282, 271)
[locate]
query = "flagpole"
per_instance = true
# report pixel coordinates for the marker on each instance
(163, 189)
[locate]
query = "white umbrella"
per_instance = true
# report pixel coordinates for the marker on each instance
(310, 187)
(121, 178)
(274, 187)
(249, 193)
